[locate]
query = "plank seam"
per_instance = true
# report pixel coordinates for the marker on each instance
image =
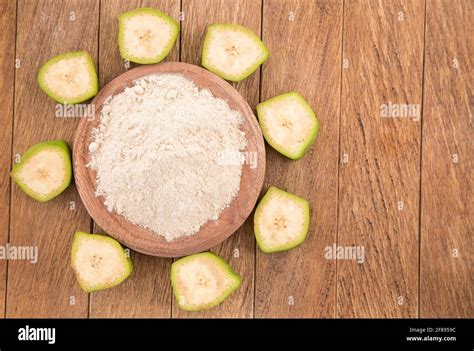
(89, 295)
(338, 154)
(260, 84)
(180, 48)
(11, 159)
(180, 30)
(421, 159)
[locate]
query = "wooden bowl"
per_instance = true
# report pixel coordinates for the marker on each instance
(211, 233)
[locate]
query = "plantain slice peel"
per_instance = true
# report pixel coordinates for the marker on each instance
(146, 35)
(288, 124)
(281, 221)
(99, 262)
(202, 281)
(44, 170)
(233, 52)
(69, 78)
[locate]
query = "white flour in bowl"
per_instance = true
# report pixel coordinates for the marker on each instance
(158, 153)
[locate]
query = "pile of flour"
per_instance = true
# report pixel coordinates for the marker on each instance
(158, 155)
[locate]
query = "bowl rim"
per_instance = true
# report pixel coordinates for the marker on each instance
(211, 233)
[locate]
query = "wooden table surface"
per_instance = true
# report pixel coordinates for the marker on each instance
(400, 187)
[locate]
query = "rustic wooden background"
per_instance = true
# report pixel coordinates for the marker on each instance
(401, 188)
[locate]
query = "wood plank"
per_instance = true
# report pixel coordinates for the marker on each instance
(47, 288)
(304, 39)
(7, 85)
(383, 46)
(148, 289)
(447, 224)
(239, 249)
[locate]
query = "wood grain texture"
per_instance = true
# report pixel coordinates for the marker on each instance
(239, 249)
(45, 289)
(148, 290)
(447, 222)
(384, 64)
(211, 233)
(383, 43)
(304, 39)
(7, 86)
